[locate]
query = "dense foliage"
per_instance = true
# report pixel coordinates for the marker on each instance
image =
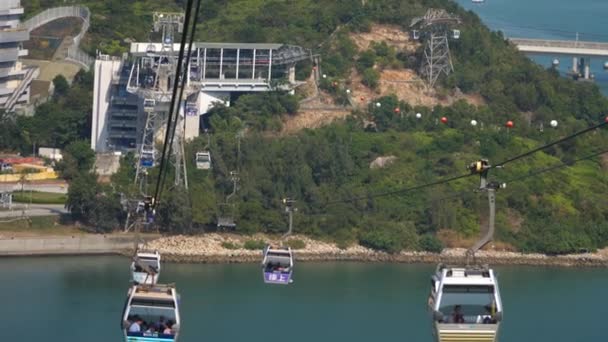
(557, 212)
(56, 123)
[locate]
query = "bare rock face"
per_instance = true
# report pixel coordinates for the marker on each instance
(382, 162)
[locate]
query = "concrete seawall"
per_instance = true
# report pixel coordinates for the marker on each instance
(65, 245)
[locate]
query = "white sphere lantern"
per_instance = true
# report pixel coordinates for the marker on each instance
(418, 115)
(473, 123)
(378, 104)
(553, 123)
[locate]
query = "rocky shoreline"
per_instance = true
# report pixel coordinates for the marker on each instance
(211, 248)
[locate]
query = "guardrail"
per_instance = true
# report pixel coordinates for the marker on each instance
(75, 54)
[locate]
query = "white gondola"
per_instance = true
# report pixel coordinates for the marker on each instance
(203, 160)
(456, 34)
(146, 268)
(277, 265)
(415, 34)
(465, 304)
(465, 301)
(151, 313)
(226, 216)
(149, 104)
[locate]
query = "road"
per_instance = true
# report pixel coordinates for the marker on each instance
(55, 187)
(33, 210)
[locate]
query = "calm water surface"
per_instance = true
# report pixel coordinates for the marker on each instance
(80, 299)
(549, 19)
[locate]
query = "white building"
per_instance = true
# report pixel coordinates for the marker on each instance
(116, 114)
(216, 71)
(15, 78)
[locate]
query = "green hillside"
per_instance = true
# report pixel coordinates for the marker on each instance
(555, 212)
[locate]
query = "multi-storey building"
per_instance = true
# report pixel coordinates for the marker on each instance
(15, 78)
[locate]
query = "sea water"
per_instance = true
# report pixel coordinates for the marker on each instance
(81, 299)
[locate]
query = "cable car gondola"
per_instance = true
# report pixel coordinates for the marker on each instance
(151, 313)
(147, 158)
(465, 300)
(149, 104)
(145, 268)
(203, 160)
(277, 265)
(465, 304)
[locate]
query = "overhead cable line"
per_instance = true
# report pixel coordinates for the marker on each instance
(538, 149)
(562, 164)
(448, 180)
(174, 99)
(182, 75)
(402, 191)
(556, 166)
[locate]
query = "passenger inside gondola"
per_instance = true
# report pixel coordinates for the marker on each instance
(457, 316)
(465, 303)
(151, 320)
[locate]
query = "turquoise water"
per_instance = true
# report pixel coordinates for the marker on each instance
(549, 19)
(80, 299)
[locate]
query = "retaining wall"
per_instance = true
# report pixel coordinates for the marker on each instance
(88, 244)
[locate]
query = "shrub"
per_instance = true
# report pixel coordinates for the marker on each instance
(391, 238)
(254, 244)
(230, 245)
(430, 243)
(371, 78)
(366, 60)
(295, 244)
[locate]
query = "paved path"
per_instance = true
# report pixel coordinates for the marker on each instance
(33, 210)
(54, 187)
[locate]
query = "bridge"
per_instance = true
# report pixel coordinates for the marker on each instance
(561, 47)
(580, 51)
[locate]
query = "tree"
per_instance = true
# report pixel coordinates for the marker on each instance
(371, 78)
(78, 158)
(107, 214)
(82, 196)
(174, 213)
(61, 86)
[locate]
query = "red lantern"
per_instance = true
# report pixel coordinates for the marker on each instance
(362, 98)
(509, 124)
(444, 120)
(335, 84)
(397, 110)
(606, 119)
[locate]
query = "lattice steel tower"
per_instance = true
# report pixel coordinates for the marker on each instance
(435, 28)
(152, 77)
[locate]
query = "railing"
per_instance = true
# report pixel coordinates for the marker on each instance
(75, 54)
